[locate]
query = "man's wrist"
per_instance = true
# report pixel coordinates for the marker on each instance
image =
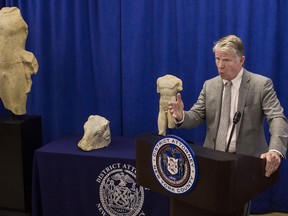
(177, 122)
(278, 152)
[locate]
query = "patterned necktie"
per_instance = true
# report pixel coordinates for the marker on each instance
(224, 118)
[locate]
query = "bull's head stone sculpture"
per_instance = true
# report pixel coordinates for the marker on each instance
(96, 133)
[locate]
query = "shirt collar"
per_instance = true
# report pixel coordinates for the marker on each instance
(237, 80)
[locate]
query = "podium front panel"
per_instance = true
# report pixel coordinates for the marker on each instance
(225, 181)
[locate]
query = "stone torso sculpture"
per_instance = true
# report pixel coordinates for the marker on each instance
(168, 86)
(16, 64)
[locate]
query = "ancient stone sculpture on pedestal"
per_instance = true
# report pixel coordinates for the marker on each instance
(168, 86)
(16, 64)
(96, 133)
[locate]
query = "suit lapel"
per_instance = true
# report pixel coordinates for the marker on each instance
(218, 96)
(244, 87)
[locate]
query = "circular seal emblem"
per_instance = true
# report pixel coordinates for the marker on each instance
(174, 165)
(118, 191)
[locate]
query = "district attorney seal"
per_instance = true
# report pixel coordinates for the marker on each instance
(174, 165)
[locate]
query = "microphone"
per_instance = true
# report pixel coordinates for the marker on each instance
(236, 119)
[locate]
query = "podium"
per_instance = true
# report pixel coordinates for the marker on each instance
(226, 182)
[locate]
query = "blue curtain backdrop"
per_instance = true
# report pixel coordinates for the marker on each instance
(103, 57)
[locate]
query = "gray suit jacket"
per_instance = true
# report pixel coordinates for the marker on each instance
(257, 100)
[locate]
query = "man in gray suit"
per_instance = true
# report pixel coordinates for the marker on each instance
(251, 94)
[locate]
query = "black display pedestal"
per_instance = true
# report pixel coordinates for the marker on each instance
(19, 138)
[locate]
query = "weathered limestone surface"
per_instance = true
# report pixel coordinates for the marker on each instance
(168, 86)
(96, 133)
(16, 64)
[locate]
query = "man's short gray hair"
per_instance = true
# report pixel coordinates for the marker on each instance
(230, 43)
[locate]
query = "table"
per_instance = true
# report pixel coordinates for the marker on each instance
(68, 181)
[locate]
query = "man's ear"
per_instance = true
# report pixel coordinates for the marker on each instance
(242, 60)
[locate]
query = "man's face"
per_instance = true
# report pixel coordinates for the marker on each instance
(228, 64)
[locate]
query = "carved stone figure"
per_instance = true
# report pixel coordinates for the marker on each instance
(96, 133)
(168, 86)
(16, 64)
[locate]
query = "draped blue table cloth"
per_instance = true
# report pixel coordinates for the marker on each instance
(69, 181)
